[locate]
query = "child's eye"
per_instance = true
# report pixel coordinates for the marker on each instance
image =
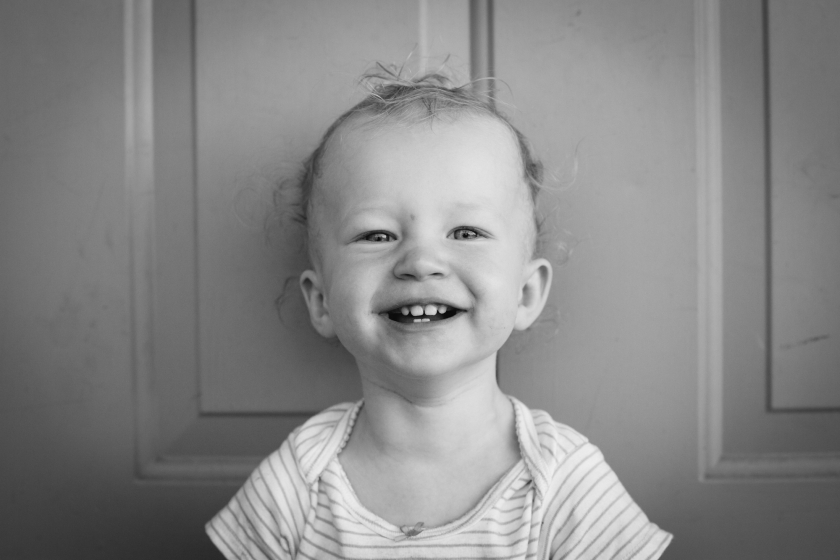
(377, 237)
(465, 234)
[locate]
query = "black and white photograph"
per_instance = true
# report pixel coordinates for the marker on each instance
(420, 279)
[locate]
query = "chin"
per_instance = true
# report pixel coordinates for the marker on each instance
(437, 367)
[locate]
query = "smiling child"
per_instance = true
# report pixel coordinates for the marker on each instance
(420, 211)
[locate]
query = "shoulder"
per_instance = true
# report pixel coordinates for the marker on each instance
(563, 455)
(567, 454)
(557, 440)
(586, 508)
(316, 442)
(558, 452)
(545, 444)
(297, 457)
(269, 511)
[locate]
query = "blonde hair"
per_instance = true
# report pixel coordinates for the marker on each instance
(392, 98)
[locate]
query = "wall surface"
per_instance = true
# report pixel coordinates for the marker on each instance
(140, 142)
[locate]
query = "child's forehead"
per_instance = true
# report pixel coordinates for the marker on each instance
(374, 165)
(379, 161)
(364, 136)
(477, 157)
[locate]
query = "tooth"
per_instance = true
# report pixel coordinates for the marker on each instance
(416, 310)
(431, 309)
(442, 308)
(425, 319)
(404, 310)
(418, 320)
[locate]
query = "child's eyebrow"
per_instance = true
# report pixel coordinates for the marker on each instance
(469, 206)
(477, 207)
(375, 207)
(368, 207)
(364, 209)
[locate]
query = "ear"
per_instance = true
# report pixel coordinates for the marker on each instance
(536, 283)
(316, 301)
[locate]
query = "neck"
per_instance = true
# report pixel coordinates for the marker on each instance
(429, 420)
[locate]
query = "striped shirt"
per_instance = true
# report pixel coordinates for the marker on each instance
(561, 501)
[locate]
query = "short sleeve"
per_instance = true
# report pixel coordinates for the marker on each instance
(265, 517)
(590, 515)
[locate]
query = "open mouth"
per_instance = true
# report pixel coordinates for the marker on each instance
(422, 313)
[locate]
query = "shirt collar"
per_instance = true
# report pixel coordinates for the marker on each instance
(321, 438)
(529, 446)
(316, 450)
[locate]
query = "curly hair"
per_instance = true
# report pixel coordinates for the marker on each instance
(391, 98)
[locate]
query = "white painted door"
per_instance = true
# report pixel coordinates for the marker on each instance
(143, 366)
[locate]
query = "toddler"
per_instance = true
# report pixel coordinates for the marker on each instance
(419, 204)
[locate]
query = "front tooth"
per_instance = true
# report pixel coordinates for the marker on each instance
(404, 310)
(416, 310)
(430, 309)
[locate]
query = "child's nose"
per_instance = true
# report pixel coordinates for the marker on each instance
(419, 263)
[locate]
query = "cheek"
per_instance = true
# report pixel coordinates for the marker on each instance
(348, 292)
(496, 282)
(344, 310)
(341, 297)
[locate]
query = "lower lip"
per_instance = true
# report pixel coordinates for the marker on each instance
(421, 324)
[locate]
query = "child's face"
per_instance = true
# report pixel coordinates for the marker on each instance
(411, 217)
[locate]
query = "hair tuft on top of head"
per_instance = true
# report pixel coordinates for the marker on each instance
(391, 94)
(392, 75)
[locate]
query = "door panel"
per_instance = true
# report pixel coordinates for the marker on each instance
(803, 88)
(746, 434)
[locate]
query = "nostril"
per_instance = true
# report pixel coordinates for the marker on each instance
(419, 265)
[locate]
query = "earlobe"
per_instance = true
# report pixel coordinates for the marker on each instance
(316, 302)
(534, 293)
